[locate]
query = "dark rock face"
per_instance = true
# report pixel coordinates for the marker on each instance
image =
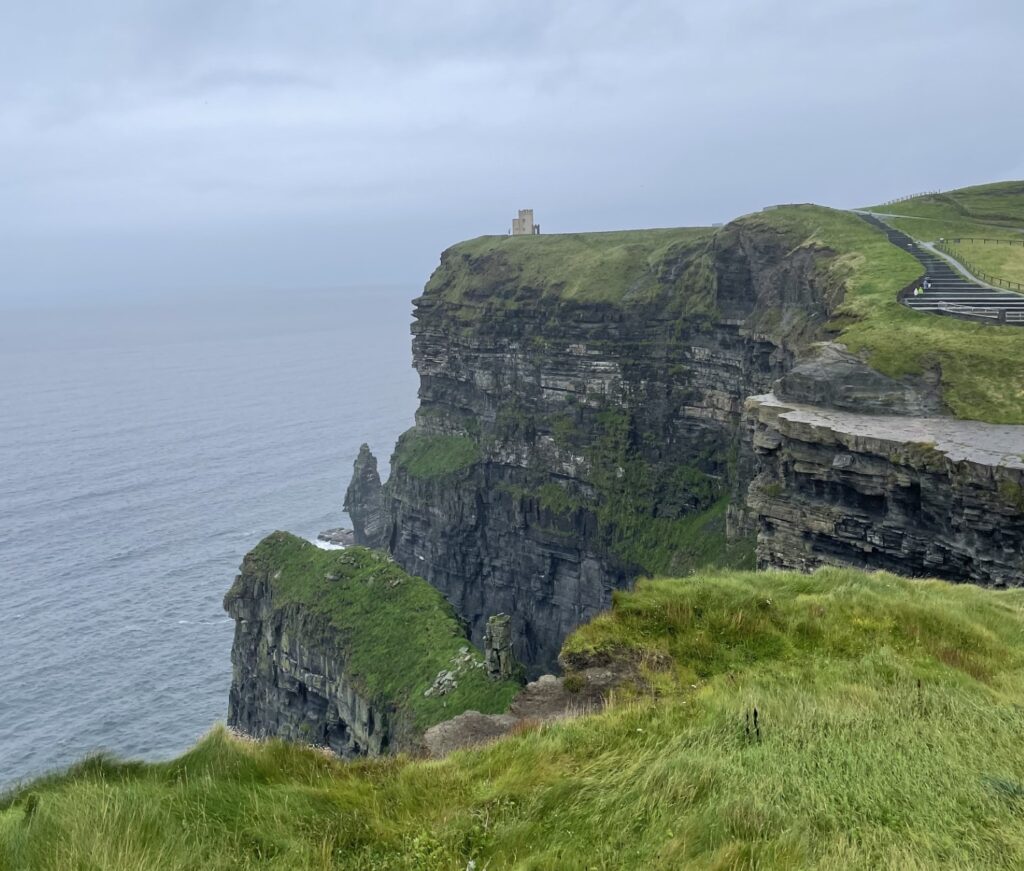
(831, 377)
(498, 647)
(340, 537)
(918, 496)
(364, 501)
(289, 678)
(592, 417)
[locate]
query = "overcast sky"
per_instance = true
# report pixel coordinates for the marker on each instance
(154, 147)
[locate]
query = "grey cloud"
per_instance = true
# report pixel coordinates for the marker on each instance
(188, 144)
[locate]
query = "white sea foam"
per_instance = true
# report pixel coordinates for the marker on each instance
(204, 622)
(326, 545)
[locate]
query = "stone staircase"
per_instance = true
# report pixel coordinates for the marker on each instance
(949, 292)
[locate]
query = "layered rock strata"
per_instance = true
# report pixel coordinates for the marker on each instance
(289, 679)
(921, 496)
(562, 440)
(364, 501)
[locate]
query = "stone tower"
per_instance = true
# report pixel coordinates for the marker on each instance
(523, 225)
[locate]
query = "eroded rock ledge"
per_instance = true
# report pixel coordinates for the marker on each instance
(920, 496)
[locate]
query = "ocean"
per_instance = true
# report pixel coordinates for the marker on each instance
(144, 448)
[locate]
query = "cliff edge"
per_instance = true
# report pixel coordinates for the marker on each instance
(581, 411)
(582, 422)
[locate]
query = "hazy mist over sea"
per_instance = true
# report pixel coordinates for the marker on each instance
(143, 450)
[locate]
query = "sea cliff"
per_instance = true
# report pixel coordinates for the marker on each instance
(581, 399)
(343, 649)
(921, 496)
(581, 418)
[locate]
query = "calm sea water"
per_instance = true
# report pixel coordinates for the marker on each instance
(143, 451)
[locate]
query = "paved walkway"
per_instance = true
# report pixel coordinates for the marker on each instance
(959, 267)
(987, 444)
(951, 291)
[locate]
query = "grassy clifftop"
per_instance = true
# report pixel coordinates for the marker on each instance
(981, 366)
(397, 630)
(997, 209)
(888, 736)
(585, 267)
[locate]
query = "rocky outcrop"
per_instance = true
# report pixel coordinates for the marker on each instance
(829, 376)
(364, 501)
(541, 701)
(343, 649)
(928, 496)
(340, 537)
(498, 657)
(289, 676)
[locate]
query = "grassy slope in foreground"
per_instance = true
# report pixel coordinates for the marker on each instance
(993, 211)
(891, 716)
(982, 365)
(397, 630)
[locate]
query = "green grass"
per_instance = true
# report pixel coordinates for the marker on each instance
(981, 365)
(890, 714)
(595, 267)
(998, 205)
(397, 630)
(1003, 261)
(680, 546)
(994, 211)
(424, 455)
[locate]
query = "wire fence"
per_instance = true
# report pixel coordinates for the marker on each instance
(945, 246)
(910, 197)
(979, 240)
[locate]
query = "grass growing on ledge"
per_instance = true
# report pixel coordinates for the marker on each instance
(683, 545)
(397, 630)
(424, 455)
(888, 738)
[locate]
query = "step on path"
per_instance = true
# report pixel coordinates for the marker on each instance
(949, 292)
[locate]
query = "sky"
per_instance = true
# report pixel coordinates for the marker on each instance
(163, 148)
